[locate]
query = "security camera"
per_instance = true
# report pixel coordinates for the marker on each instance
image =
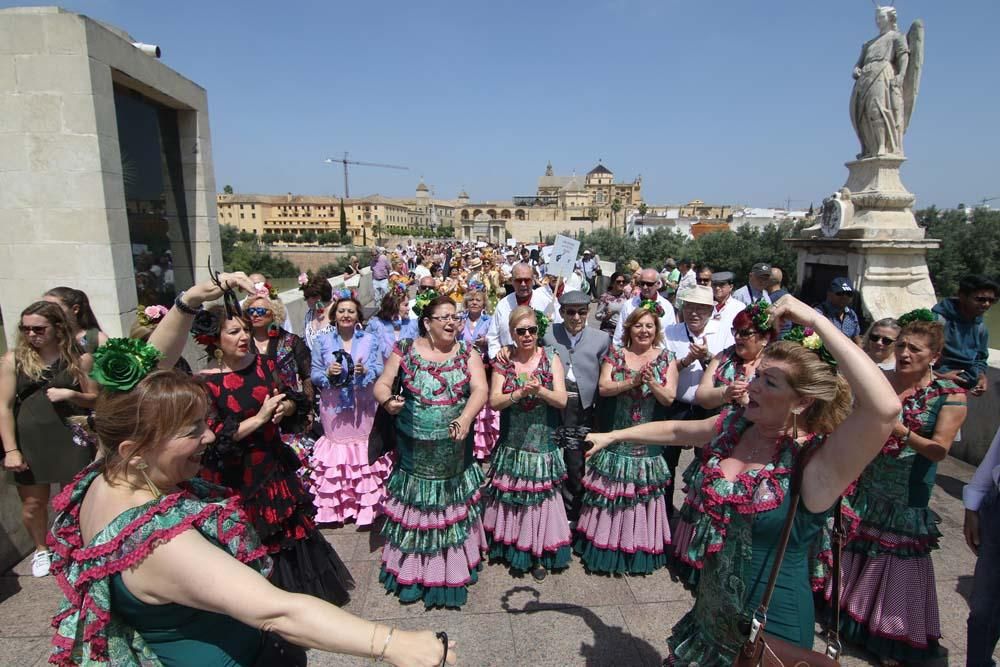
(149, 49)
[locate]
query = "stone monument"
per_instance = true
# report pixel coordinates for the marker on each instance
(867, 230)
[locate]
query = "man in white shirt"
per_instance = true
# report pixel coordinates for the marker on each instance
(688, 278)
(522, 277)
(726, 307)
(649, 290)
(694, 341)
(424, 284)
(982, 533)
(757, 287)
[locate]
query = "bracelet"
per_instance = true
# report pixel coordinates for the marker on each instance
(184, 308)
(8, 451)
(371, 644)
(381, 656)
(513, 401)
(906, 438)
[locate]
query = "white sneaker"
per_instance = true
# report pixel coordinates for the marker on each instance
(40, 563)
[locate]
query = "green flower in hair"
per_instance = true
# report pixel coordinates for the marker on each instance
(810, 340)
(121, 363)
(760, 315)
(918, 315)
(423, 298)
(543, 323)
(652, 306)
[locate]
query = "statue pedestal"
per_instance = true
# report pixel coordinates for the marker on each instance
(879, 247)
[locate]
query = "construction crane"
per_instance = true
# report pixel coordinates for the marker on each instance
(986, 200)
(344, 161)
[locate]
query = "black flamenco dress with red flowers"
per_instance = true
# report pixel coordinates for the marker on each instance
(262, 469)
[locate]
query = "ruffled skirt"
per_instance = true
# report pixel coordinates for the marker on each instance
(525, 517)
(434, 537)
(487, 428)
(345, 486)
(623, 526)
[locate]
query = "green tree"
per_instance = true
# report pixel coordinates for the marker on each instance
(643, 208)
(616, 206)
(228, 238)
(308, 236)
(247, 237)
(967, 247)
(228, 190)
(288, 237)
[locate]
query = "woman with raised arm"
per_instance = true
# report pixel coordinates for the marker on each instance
(159, 567)
(623, 526)
(524, 516)
(433, 530)
(889, 596)
(798, 413)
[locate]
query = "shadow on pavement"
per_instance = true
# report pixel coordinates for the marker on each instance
(950, 485)
(608, 640)
(9, 586)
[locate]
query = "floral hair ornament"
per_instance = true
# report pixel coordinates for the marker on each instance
(760, 316)
(265, 290)
(303, 279)
(653, 307)
(918, 315)
(121, 363)
(422, 299)
(543, 323)
(205, 328)
(344, 293)
(810, 340)
(150, 316)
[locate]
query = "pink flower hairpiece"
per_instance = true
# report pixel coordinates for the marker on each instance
(151, 315)
(303, 278)
(264, 290)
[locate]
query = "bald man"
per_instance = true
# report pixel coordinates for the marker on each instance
(649, 290)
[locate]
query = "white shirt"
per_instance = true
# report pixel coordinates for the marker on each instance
(689, 279)
(747, 296)
(668, 315)
(986, 478)
(498, 333)
(678, 341)
(573, 340)
(725, 318)
(421, 271)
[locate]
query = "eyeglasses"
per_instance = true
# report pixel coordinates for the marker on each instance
(257, 311)
(424, 288)
(743, 333)
(885, 339)
(718, 285)
(575, 313)
(523, 331)
(446, 318)
(986, 300)
(704, 281)
(38, 331)
(523, 280)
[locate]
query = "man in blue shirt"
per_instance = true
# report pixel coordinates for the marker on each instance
(837, 308)
(966, 339)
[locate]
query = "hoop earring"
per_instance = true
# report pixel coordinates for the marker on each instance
(142, 466)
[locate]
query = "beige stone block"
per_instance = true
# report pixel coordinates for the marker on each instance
(7, 78)
(52, 74)
(64, 34)
(13, 152)
(61, 262)
(100, 78)
(23, 189)
(21, 34)
(78, 114)
(75, 226)
(64, 152)
(30, 113)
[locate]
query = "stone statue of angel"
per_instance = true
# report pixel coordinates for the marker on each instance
(887, 80)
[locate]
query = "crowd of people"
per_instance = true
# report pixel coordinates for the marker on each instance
(522, 419)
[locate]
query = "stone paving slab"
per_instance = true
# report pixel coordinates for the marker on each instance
(570, 618)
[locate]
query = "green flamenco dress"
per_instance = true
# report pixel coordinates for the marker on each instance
(623, 526)
(525, 517)
(100, 622)
(888, 589)
(734, 538)
(433, 530)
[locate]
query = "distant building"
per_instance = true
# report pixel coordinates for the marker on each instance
(762, 217)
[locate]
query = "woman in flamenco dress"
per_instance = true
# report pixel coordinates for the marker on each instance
(249, 456)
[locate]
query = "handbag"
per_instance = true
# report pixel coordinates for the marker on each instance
(769, 651)
(382, 438)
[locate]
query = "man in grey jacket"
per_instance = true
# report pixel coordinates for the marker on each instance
(580, 348)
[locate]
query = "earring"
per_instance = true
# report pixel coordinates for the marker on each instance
(218, 357)
(142, 466)
(795, 423)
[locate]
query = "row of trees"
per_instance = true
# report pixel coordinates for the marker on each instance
(969, 244)
(240, 253)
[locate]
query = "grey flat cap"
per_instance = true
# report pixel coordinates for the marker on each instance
(723, 277)
(574, 298)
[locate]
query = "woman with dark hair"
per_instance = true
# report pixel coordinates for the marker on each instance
(159, 567)
(75, 304)
(623, 526)
(44, 381)
(249, 456)
(393, 323)
(345, 366)
(318, 293)
(744, 481)
(888, 591)
(610, 305)
(433, 530)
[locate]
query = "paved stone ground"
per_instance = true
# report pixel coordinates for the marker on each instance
(569, 619)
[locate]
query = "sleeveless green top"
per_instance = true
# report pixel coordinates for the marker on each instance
(181, 635)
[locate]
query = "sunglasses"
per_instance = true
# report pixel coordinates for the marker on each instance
(523, 331)
(647, 283)
(446, 318)
(257, 311)
(885, 339)
(743, 333)
(575, 313)
(704, 281)
(987, 300)
(38, 331)
(424, 288)
(717, 285)
(620, 281)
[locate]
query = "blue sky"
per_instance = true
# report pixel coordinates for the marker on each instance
(732, 101)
